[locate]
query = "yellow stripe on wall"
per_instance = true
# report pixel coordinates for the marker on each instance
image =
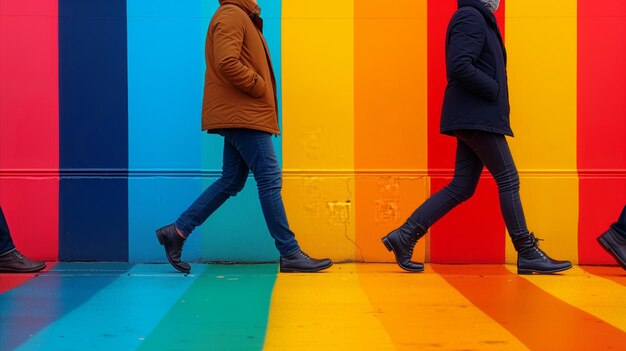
(318, 131)
(541, 39)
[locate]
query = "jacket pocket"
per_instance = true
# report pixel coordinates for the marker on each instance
(258, 89)
(498, 98)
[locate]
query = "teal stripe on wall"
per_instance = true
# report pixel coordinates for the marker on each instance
(170, 160)
(237, 231)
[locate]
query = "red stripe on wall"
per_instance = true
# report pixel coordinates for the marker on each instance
(474, 231)
(601, 122)
(29, 124)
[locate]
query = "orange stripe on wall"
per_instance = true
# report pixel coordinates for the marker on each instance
(390, 119)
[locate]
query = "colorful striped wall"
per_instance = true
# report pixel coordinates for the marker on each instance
(100, 138)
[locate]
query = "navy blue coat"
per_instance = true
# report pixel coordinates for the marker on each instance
(477, 94)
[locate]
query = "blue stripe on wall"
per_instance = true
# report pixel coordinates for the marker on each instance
(165, 79)
(237, 231)
(93, 223)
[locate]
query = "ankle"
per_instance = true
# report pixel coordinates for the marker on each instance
(412, 229)
(7, 252)
(180, 233)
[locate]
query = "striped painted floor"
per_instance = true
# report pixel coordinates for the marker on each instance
(117, 306)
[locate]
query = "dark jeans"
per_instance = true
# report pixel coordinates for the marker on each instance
(618, 227)
(246, 150)
(475, 150)
(6, 243)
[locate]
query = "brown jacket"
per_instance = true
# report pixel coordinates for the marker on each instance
(239, 87)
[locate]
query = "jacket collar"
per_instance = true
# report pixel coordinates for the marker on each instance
(490, 18)
(250, 7)
(477, 4)
(247, 5)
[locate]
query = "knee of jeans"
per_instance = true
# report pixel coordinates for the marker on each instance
(509, 181)
(234, 185)
(466, 194)
(461, 192)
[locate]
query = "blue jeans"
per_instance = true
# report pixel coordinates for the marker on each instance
(6, 243)
(475, 150)
(246, 150)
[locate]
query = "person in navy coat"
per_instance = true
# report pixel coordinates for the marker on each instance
(476, 112)
(614, 239)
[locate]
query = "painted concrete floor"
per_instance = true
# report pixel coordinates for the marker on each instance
(117, 306)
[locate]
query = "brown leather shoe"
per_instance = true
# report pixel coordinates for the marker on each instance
(300, 262)
(15, 262)
(173, 243)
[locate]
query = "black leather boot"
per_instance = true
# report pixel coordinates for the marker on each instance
(531, 259)
(15, 262)
(303, 263)
(173, 243)
(402, 246)
(615, 245)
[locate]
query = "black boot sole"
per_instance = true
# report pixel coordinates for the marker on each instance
(295, 270)
(531, 271)
(389, 247)
(608, 248)
(159, 236)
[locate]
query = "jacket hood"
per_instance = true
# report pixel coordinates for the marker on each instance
(247, 5)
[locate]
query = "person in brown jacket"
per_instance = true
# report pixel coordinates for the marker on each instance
(240, 105)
